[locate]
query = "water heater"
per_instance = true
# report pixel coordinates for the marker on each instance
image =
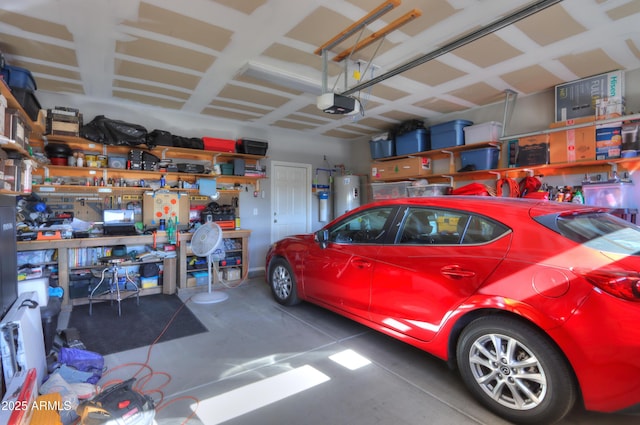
(346, 194)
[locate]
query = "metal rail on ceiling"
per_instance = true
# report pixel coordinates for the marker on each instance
(475, 35)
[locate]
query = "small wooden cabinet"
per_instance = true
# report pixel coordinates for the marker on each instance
(235, 265)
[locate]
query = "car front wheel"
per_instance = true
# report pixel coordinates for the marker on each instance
(515, 371)
(283, 283)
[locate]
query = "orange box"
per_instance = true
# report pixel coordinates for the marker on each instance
(577, 144)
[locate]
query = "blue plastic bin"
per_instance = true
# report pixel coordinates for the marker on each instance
(382, 148)
(18, 77)
(448, 134)
(481, 158)
(412, 142)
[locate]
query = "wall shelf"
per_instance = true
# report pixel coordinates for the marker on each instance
(578, 167)
(76, 174)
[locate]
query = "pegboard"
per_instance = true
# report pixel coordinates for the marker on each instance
(87, 208)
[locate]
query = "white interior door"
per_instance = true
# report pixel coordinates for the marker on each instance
(291, 199)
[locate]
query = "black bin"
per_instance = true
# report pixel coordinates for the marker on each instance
(49, 315)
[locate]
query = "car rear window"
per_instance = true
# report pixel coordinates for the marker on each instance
(600, 231)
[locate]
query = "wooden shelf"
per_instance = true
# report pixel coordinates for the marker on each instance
(440, 153)
(178, 275)
(188, 155)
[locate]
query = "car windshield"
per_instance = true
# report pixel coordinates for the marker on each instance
(601, 231)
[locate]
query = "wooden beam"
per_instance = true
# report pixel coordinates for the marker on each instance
(408, 17)
(376, 13)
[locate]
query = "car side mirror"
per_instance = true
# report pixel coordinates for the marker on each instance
(322, 236)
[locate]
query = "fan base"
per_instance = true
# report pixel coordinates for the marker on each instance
(209, 297)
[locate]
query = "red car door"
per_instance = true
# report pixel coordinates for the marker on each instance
(339, 275)
(416, 283)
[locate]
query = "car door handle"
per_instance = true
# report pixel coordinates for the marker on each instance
(361, 263)
(456, 272)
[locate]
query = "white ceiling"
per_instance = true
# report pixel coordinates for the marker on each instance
(193, 55)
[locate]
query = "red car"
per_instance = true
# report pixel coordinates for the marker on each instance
(536, 303)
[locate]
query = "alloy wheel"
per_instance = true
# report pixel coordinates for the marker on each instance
(508, 371)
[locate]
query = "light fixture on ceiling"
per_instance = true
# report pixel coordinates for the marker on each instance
(280, 77)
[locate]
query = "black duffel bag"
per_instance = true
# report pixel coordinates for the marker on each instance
(187, 142)
(159, 138)
(114, 132)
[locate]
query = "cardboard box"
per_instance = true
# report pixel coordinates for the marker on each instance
(532, 150)
(609, 141)
(578, 98)
(577, 144)
(165, 205)
(401, 168)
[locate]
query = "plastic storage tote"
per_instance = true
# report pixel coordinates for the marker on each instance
(448, 134)
(485, 132)
(382, 148)
(389, 190)
(434, 189)
(611, 195)
(414, 141)
(481, 159)
(17, 77)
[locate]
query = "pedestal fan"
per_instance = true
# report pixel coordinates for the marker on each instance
(207, 242)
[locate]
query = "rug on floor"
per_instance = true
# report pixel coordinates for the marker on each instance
(105, 332)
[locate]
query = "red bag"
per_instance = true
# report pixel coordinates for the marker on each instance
(477, 189)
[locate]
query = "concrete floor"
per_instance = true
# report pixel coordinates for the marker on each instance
(261, 364)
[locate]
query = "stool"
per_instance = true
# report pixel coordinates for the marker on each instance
(109, 277)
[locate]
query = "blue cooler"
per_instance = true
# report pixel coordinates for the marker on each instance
(413, 142)
(448, 134)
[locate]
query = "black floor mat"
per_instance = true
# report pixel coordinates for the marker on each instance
(105, 332)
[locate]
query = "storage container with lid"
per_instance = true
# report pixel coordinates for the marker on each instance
(480, 159)
(485, 132)
(382, 148)
(389, 190)
(434, 189)
(448, 134)
(414, 141)
(617, 195)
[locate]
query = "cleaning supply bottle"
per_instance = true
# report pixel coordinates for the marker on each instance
(578, 197)
(171, 230)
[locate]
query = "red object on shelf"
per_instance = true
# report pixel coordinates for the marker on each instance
(226, 224)
(58, 161)
(219, 145)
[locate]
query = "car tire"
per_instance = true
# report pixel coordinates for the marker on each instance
(528, 382)
(283, 283)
